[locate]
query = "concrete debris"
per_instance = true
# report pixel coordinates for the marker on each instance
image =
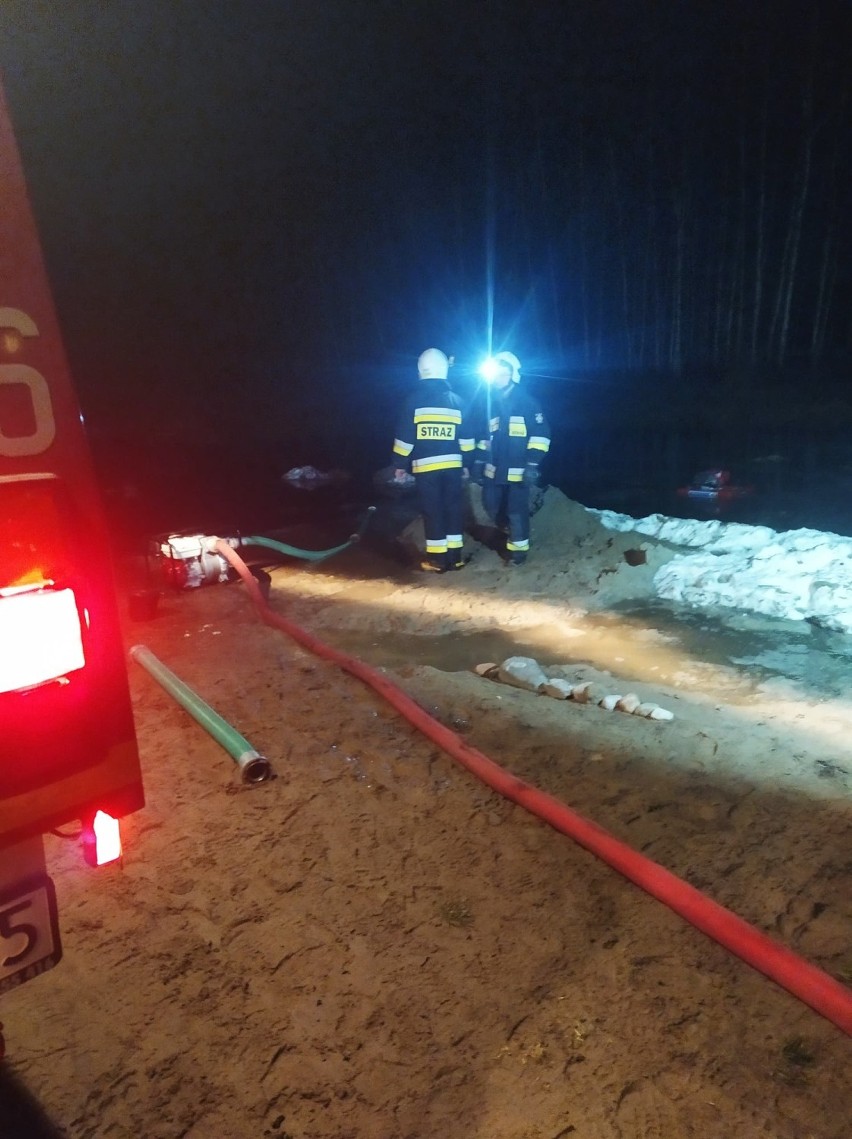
(628, 703)
(527, 673)
(588, 694)
(557, 688)
(660, 714)
(523, 672)
(646, 708)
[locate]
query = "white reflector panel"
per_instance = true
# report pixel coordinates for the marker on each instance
(107, 838)
(40, 637)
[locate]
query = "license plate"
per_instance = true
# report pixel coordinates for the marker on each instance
(29, 932)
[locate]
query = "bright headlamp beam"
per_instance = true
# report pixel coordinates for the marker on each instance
(489, 369)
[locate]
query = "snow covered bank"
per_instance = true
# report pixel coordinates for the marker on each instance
(797, 574)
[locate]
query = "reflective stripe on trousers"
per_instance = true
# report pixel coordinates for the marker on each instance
(509, 504)
(442, 505)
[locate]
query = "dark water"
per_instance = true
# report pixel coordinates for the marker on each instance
(241, 490)
(826, 507)
(229, 498)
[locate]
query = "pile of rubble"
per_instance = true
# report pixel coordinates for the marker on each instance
(527, 673)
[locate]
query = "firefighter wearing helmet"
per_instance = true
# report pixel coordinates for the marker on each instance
(434, 444)
(513, 437)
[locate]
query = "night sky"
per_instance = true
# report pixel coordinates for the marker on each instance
(257, 214)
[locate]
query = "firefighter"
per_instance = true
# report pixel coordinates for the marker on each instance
(433, 442)
(513, 437)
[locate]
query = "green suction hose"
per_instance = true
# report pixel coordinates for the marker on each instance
(310, 555)
(254, 767)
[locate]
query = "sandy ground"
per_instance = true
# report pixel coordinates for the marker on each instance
(374, 944)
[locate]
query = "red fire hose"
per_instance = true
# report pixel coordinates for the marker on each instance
(799, 977)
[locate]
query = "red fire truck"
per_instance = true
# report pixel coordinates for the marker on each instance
(68, 750)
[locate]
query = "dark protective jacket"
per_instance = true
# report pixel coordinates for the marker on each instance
(430, 433)
(516, 434)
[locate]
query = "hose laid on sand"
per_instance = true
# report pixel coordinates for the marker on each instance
(805, 981)
(254, 767)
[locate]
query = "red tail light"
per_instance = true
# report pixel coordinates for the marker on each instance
(40, 637)
(64, 708)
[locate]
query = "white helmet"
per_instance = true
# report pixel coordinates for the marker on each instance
(510, 360)
(433, 365)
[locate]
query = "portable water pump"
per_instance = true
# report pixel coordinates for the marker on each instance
(187, 561)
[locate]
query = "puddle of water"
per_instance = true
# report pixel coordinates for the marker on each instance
(716, 640)
(627, 651)
(450, 652)
(734, 656)
(652, 644)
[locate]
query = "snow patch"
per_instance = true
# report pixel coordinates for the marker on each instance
(801, 575)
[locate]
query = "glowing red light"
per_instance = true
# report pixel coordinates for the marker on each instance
(40, 637)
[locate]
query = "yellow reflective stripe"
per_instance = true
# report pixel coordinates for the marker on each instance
(490, 470)
(401, 448)
(516, 474)
(538, 443)
(467, 444)
(436, 547)
(437, 415)
(482, 445)
(437, 409)
(494, 424)
(524, 544)
(436, 463)
(455, 541)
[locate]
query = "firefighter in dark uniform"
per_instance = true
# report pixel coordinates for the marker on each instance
(512, 439)
(432, 441)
